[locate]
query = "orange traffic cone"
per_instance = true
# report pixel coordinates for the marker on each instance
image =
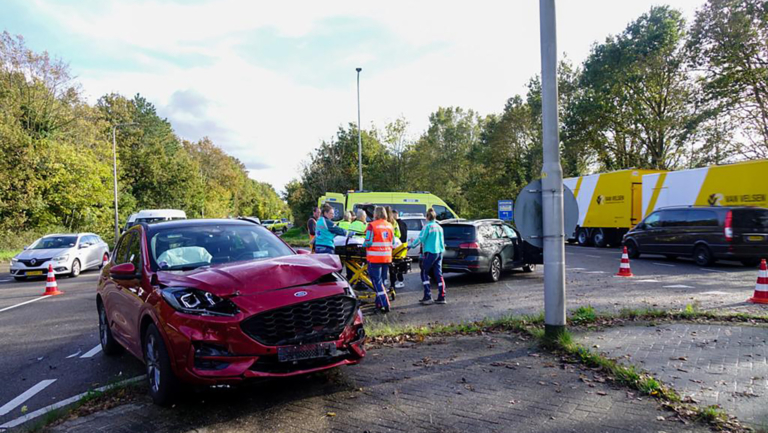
(761, 288)
(51, 288)
(624, 270)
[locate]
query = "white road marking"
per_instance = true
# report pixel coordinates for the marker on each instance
(74, 354)
(664, 264)
(92, 352)
(647, 281)
(575, 269)
(714, 292)
(32, 415)
(594, 257)
(26, 395)
(678, 286)
(25, 303)
(594, 272)
(714, 270)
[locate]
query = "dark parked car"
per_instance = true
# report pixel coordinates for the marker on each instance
(707, 234)
(220, 301)
(486, 247)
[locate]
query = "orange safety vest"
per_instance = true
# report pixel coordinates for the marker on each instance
(380, 250)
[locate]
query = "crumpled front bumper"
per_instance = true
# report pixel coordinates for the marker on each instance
(214, 350)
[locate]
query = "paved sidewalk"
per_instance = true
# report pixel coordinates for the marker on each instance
(713, 363)
(482, 383)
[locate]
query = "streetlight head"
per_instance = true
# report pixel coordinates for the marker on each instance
(358, 69)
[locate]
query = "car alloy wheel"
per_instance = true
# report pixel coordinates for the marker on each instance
(495, 272)
(108, 344)
(75, 269)
(529, 268)
(153, 363)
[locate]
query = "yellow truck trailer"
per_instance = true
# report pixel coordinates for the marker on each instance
(739, 184)
(609, 205)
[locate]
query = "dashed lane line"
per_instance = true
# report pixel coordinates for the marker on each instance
(663, 264)
(25, 303)
(92, 352)
(678, 286)
(66, 402)
(26, 395)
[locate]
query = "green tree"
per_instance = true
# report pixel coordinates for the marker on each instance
(728, 43)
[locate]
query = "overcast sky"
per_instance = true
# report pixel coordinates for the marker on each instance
(268, 81)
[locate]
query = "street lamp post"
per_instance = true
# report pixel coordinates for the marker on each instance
(114, 174)
(551, 179)
(359, 134)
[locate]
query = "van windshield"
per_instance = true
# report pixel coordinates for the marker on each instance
(750, 219)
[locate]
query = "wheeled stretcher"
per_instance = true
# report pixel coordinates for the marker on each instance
(352, 254)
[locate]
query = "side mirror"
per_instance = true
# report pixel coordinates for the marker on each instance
(85, 245)
(25, 247)
(303, 251)
(123, 271)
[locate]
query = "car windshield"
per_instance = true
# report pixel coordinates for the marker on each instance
(54, 242)
(268, 221)
(191, 247)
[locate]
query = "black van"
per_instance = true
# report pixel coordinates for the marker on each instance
(707, 234)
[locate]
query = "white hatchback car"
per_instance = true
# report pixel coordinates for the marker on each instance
(68, 254)
(414, 223)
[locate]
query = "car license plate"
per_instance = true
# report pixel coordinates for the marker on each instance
(306, 351)
(33, 273)
(755, 238)
(449, 254)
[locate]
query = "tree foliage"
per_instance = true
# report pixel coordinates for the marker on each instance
(56, 156)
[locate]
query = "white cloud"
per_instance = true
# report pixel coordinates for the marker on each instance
(477, 55)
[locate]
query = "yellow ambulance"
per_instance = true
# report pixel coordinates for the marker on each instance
(407, 203)
(609, 205)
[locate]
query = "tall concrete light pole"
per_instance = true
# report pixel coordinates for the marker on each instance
(551, 179)
(359, 134)
(114, 175)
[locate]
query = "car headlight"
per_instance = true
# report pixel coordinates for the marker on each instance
(14, 260)
(62, 258)
(195, 301)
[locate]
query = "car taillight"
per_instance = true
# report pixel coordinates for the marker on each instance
(469, 246)
(729, 226)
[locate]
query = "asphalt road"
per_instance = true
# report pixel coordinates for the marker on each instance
(49, 348)
(51, 345)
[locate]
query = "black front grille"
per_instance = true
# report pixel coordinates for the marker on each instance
(309, 322)
(38, 262)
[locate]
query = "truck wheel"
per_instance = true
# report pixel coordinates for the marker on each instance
(582, 237)
(702, 256)
(598, 238)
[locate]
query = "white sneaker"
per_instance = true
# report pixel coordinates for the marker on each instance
(399, 285)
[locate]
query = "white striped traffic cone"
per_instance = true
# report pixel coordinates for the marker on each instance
(51, 288)
(624, 270)
(761, 288)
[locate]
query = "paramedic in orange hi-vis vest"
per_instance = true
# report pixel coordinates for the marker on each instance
(379, 238)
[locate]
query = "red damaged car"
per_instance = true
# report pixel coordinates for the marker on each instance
(220, 301)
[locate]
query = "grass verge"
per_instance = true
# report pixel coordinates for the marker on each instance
(6, 255)
(296, 237)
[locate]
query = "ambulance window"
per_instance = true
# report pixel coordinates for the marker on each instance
(338, 210)
(442, 212)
